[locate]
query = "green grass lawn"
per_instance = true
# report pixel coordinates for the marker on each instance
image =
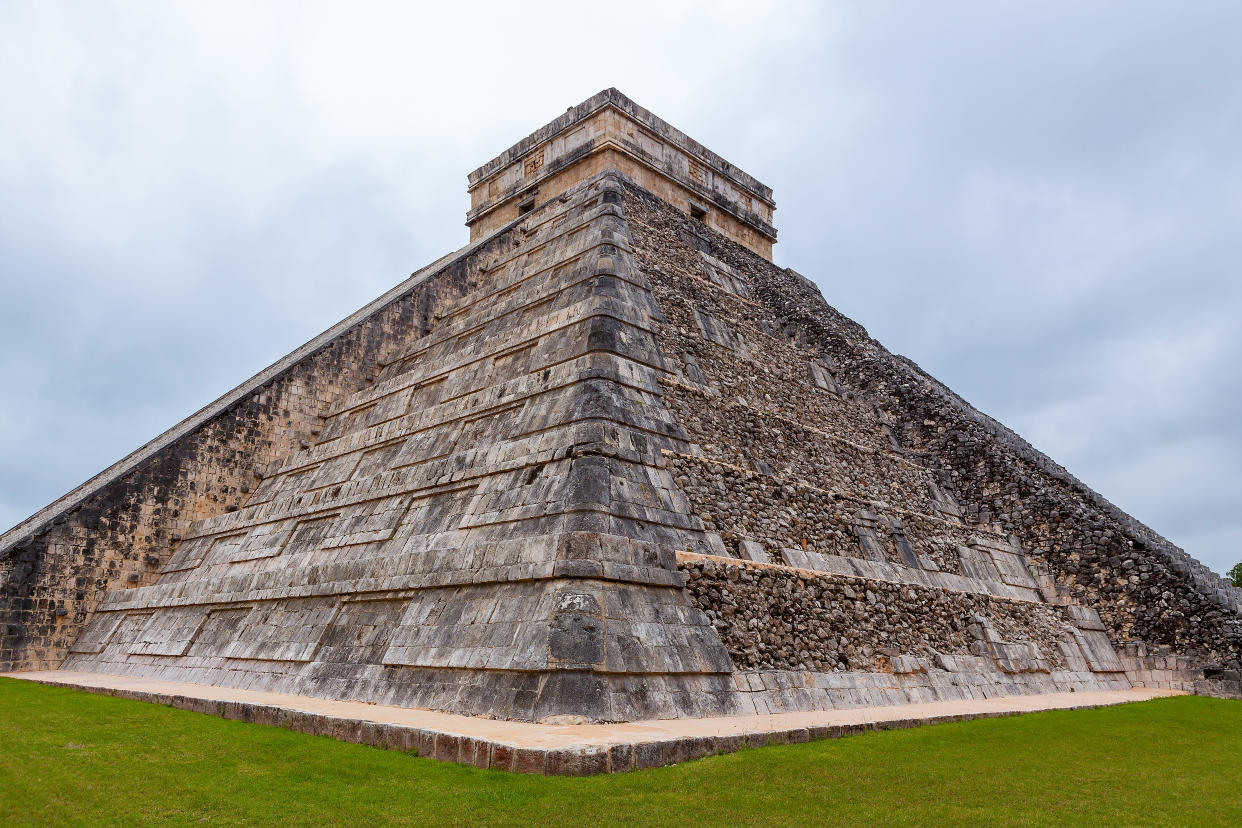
(68, 757)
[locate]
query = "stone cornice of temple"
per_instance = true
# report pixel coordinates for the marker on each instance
(611, 131)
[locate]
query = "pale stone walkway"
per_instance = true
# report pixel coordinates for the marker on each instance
(559, 748)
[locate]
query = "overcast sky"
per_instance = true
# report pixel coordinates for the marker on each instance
(1041, 203)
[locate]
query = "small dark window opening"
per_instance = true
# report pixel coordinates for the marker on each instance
(526, 206)
(698, 213)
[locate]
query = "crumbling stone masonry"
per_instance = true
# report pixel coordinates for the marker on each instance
(607, 462)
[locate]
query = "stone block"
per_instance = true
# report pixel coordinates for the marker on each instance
(530, 760)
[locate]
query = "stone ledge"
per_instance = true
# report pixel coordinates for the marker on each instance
(559, 749)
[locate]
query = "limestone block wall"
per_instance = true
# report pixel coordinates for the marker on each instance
(487, 528)
(117, 530)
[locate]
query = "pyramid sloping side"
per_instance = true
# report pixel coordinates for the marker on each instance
(117, 529)
(487, 528)
(815, 449)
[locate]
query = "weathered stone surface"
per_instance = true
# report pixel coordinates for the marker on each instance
(606, 463)
(116, 530)
(885, 465)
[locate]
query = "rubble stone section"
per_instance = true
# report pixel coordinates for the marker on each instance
(807, 640)
(812, 445)
(777, 617)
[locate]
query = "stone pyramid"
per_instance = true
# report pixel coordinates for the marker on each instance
(610, 462)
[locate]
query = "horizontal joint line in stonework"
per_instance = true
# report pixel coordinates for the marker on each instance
(587, 352)
(451, 332)
(507, 401)
(474, 415)
(608, 352)
(722, 169)
(331, 506)
(348, 589)
(877, 504)
(581, 511)
(552, 668)
(511, 345)
(749, 218)
(579, 211)
(591, 419)
(523, 463)
(571, 216)
(460, 484)
(819, 573)
(775, 414)
(417, 384)
(533, 245)
(695, 186)
(576, 201)
(457, 328)
(497, 407)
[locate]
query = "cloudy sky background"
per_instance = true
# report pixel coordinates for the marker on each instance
(1039, 203)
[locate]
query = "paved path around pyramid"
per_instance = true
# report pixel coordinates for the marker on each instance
(561, 749)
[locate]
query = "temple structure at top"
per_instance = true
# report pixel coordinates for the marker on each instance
(610, 132)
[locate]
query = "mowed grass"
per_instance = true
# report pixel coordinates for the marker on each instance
(72, 758)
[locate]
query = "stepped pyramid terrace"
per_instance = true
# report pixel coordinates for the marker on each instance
(607, 463)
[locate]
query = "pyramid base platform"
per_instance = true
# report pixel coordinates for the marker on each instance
(564, 749)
